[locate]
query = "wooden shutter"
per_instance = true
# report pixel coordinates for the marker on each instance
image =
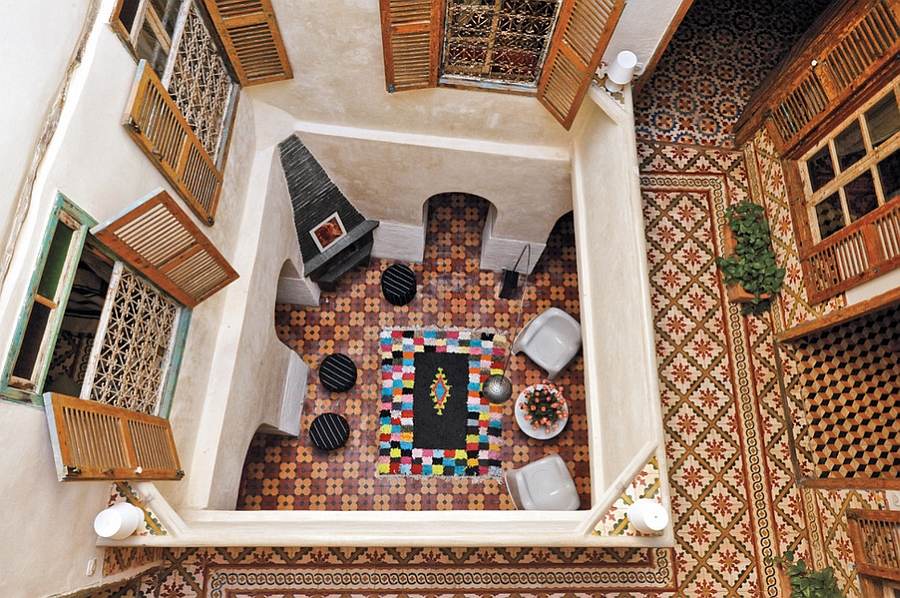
(155, 123)
(581, 37)
(849, 53)
(158, 239)
(411, 33)
(93, 441)
(252, 40)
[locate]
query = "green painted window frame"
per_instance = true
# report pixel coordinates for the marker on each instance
(65, 210)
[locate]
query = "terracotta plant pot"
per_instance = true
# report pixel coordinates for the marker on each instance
(784, 583)
(735, 292)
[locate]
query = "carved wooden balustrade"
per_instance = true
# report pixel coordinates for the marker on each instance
(865, 249)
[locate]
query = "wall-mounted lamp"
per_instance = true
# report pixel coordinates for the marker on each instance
(648, 516)
(118, 521)
(621, 71)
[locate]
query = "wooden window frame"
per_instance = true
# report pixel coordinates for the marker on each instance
(124, 238)
(195, 174)
(868, 163)
(413, 33)
(873, 535)
(864, 249)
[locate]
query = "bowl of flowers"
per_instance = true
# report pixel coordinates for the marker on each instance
(541, 411)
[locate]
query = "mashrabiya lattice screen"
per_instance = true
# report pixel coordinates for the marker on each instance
(134, 345)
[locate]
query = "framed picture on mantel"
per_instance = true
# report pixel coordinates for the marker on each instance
(328, 232)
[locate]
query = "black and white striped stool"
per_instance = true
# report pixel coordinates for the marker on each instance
(329, 431)
(398, 284)
(337, 373)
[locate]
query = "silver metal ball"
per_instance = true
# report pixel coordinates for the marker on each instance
(497, 388)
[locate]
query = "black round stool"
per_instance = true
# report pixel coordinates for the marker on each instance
(337, 373)
(329, 431)
(398, 284)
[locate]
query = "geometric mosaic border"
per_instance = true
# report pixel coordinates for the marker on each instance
(417, 572)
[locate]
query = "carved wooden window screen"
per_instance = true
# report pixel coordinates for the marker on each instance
(875, 536)
(873, 38)
(93, 441)
(494, 42)
(201, 85)
(498, 40)
(825, 73)
(133, 348)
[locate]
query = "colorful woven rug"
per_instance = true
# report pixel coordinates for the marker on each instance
(434, 420)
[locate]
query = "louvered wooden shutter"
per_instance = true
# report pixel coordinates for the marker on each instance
(581, 37)
(161, 241)
(252, 40)
(871, 42)
(155, 123)
(848, 54)
(411, 32)
(93, 441)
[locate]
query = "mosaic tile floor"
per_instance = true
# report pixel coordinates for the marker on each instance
(718, 56)
(285, 473)
(849, 379)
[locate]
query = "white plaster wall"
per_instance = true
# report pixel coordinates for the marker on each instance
(32, 70)
(247, 374)
(390, 152)
(642, 27)
(93, 161)
(624, 419)
(46, 525)
(336, 55)
(620, 362)
(206, 339)
(389, 177)
(51, 522)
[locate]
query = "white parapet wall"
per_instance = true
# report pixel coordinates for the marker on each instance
(624, 415)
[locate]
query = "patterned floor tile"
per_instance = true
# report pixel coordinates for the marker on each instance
(435, 573)
(848, 385)
(712, 66)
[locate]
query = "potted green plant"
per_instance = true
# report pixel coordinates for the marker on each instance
(748, 263)
(803, 582)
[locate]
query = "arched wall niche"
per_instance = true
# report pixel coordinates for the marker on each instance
(403, 242)
(293, 288)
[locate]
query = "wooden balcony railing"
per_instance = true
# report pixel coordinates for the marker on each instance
(850, 49)
(867, 248)
(876, 542)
